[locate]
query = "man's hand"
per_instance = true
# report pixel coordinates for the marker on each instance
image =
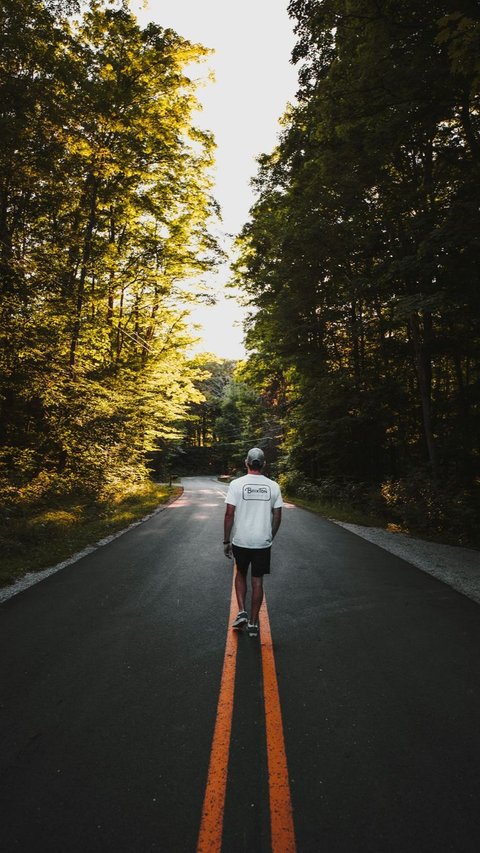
(227, 550)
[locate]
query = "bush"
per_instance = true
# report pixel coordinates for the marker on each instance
(329, 489)
(295, 484)
(450, 513)
(290, 481)
(420, 506)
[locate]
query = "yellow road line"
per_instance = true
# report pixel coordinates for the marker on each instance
(281, 817)
(211, 826)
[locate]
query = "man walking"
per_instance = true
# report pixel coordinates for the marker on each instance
(254, 512)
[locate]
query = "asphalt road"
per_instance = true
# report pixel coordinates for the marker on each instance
(110, 673)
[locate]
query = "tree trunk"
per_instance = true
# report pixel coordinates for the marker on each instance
(424, 376)
(468, 128)
(87, 251)
(355, 342)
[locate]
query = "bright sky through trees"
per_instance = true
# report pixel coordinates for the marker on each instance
(254, 81)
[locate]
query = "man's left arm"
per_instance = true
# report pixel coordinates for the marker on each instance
(276, 520)
(227, 529)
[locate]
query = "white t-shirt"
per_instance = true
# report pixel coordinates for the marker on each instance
(254, 497)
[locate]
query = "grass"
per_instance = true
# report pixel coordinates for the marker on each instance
(36, 537)
(341, 512)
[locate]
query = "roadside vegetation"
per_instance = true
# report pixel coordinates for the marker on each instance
(412, 506)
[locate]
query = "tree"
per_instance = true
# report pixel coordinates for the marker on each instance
(105, 217)
(360, 258)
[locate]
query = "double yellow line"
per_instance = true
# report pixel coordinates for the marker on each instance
(281, 819)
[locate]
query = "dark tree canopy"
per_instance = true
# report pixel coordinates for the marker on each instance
(360, 260)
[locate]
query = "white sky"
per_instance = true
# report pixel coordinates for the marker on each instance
(255, 80)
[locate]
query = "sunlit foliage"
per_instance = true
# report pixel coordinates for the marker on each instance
(105, 204)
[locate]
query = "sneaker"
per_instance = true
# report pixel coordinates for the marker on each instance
(241, 620)
(252, 630)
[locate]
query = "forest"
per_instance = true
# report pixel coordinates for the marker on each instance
(105, 215)
(359, 263)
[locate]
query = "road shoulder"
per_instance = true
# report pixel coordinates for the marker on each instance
(458, 567)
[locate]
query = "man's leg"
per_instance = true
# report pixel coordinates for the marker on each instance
(257, 598)
(240, 588)
(241, 568)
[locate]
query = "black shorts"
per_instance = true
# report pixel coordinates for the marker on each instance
(259, 558)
